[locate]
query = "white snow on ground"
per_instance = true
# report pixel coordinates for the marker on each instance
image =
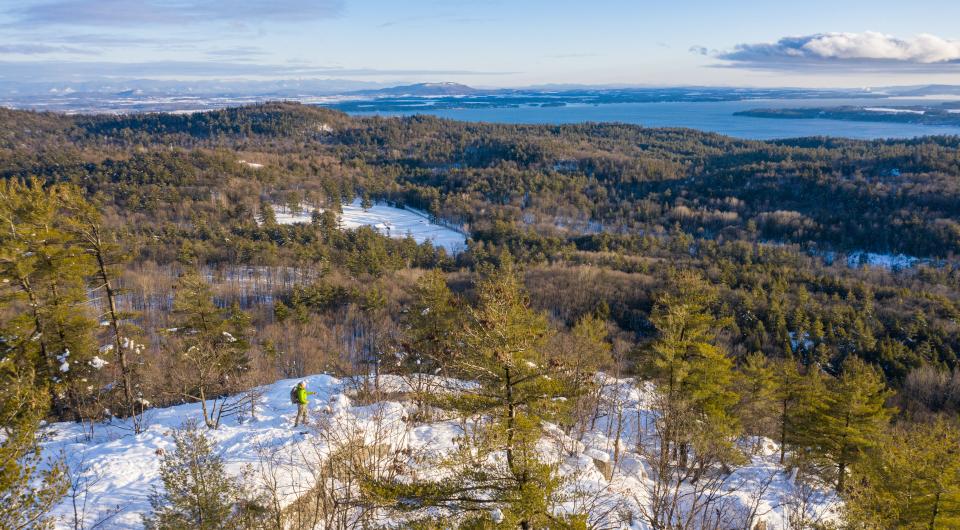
(122, 468)
(253, 165)
(892, 262)
(389, 221)
(885, 261)
(894, 110)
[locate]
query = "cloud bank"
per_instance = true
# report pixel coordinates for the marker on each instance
(857, 51)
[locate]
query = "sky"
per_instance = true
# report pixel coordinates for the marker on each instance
(486, 43)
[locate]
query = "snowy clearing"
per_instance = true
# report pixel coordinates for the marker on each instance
(890, 262)
(389, 221)
(120, 468)
(884, 261)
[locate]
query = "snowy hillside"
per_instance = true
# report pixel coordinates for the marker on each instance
(389, 221)
(118, 469)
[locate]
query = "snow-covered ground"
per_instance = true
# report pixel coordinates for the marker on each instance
(120, 468)
(893, 110)
(886, 261)
(389, 221)
(891, 262)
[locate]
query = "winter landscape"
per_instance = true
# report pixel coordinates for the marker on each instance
(606, 465)
(364, 265)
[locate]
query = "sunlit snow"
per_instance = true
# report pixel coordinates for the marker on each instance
(120, 468)
(389, 221)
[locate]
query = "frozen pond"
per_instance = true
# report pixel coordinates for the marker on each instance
(389, 221)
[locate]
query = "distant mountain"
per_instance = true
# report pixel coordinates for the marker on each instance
(924, 90)
(423, 89)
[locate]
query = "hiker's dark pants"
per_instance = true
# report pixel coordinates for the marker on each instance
(301, 415)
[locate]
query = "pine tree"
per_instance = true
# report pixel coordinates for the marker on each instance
(197, 492)
(690, 371)
(856, 415)
(27, 490)
(758, 397)
(43, 274)
(803, 400)
(211, 348)
(799, 404)
(516, 392)
(694, 405)
(432, 324)
(86, 224)
(592, 350)
(268, 216)
(909, 480)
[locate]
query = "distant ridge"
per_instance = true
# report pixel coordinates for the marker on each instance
(423, 89)
(924, 90)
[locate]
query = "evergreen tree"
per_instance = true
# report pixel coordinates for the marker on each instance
(854, 419)
(910, 479)
(268, 217)
(211, 347)
(27, 490)
(43, 273)
(798, 398)
(498, 460)
(432, 325)
(804, 402)
(86, 224)
(691, 373)
(758, 405)
(197, 492)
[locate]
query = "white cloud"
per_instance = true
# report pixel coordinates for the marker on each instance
(867, 50)
(924, 48)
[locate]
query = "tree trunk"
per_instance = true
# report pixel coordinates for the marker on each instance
(783, 432)
(511, 414)
(117, 342)
(936, 512)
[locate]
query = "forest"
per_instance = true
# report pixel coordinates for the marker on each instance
(142, 266)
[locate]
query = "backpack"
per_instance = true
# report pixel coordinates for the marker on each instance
(294, 398)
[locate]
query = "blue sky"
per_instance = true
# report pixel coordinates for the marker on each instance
(487, 42)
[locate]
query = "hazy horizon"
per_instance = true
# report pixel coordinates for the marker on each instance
(489, 43)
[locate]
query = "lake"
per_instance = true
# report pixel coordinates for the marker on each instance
(706, 116)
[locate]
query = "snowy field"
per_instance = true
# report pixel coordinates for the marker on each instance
(119, 469)
(389, 221)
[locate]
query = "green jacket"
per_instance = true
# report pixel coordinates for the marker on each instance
(302, 395)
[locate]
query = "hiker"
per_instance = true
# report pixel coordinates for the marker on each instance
(299, 397)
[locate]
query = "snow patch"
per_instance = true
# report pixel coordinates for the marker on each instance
(97, 363)
(893, 110)
(884, 261)
(387, 220)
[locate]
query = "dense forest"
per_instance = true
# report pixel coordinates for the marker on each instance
(713, 267)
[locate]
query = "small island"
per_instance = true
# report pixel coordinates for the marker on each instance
(947, 114)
